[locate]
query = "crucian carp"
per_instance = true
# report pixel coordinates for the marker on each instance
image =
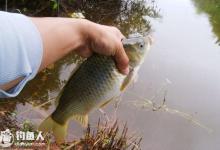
(95, 83)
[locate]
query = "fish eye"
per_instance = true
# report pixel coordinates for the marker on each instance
(141, 45)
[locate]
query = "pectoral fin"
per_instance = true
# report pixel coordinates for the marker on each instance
(105, 103)
(82, 119)
(127, 80)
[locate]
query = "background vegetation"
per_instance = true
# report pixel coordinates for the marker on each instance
(212, 9)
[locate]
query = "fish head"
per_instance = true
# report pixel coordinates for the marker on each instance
(136, 47)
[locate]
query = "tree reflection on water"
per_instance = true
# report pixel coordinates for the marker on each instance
(212, 9)
(129, 16)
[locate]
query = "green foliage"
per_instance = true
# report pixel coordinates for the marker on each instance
(128, 15)
(212, 9)
(27, 126)
(54, 4)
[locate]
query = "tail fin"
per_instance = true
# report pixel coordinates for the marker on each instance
(59, 131)
(82, 119)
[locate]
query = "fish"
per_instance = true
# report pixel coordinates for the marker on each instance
(93, 85)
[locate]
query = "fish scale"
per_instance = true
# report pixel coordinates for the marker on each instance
(95, 77)
(94, 84)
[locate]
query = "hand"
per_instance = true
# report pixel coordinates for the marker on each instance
(62, 35)
(104, 40)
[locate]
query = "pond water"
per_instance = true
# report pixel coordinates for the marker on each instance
(182, 66)
(186, 53)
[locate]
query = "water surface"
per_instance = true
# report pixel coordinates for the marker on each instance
(183, 65)
(187, 54)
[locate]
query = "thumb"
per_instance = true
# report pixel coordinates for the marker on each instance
(122, 60)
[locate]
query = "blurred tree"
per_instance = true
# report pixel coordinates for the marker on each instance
(212, 9)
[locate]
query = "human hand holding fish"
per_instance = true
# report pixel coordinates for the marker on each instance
(63, 35)
(98, 80)
(93, 85)
(60, 36)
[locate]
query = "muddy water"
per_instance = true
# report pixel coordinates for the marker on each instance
(182, 66)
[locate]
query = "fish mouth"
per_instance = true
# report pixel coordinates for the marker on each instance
(149, 40)
(131, 41)
(137, 38)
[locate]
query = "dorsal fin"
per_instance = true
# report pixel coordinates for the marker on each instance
(106, 102)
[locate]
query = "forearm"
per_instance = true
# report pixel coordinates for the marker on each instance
(58, 40)
(60, 36)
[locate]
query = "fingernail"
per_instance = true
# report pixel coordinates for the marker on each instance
(125, 71)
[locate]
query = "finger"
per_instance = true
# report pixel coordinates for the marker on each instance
(85, 52)
(122, 60)
(122, 37)
(118, 33)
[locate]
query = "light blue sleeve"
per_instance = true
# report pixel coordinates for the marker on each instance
(21, 51)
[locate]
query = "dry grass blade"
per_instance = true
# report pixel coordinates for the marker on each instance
(149, 104)
(106, 138)
(28, 110)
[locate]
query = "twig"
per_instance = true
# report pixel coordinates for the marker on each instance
(40, 10)
(6, 5)
(52, 99)
(72, 145)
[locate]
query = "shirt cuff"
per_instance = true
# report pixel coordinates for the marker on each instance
(21, 51)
